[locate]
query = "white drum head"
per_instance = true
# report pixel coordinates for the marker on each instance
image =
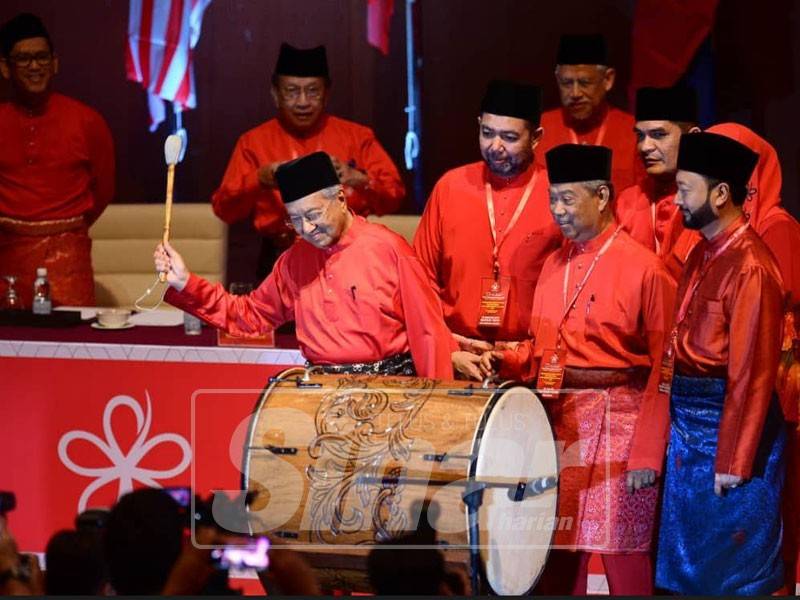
(515, 445)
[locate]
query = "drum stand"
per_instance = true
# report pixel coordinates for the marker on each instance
(472, 496)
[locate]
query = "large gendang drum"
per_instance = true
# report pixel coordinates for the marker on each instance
(336, 463)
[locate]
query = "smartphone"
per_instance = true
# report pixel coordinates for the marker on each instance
(251, 554)
(181, 494)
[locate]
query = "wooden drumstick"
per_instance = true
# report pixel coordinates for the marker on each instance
(172, 152)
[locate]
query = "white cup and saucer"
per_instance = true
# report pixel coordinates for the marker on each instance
(113, 318)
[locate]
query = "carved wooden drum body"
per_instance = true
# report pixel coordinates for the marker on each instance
(337, 462)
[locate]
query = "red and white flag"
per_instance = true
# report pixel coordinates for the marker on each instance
(162, 35)
(379, 16)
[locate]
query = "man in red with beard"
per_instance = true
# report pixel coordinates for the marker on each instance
(780, 231)
(486, 229)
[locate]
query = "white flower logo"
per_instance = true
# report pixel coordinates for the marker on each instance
(123, 467)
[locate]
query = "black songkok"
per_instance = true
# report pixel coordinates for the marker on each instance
(304, 176)
(717, 157)
(513, 99)
(677, 104)
(300, 62)
(571, 163)
(582, 50)
(22, 27)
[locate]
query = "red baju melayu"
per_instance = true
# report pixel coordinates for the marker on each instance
(777, 228)
(614, 131)
(56, 177)
(618, 322)
(363, 299)
(653, 220)
(241, 195)
(732, 331)
(454, 243)
(725, 419)
(781, 233)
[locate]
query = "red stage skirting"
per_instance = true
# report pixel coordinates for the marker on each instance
(199, 397)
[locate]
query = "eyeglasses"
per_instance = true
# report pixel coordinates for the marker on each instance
(583, 83)
(293, 93)
(313, 217)
(43, 59)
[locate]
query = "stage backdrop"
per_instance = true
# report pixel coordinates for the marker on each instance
(464, 43)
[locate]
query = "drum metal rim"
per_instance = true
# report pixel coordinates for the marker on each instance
(251, 429)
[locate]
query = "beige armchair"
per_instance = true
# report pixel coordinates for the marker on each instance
(125, 235)
(405, 225)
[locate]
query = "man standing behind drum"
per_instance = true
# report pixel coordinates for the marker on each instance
(486, 229)
(360, 298)
(600, 313)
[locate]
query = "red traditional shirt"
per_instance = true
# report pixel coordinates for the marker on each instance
(241, 195)
(653, 220)
(363, 299)
(56, 163)
(618, 321)
(454, 243)
(733, 330)
(615, 131)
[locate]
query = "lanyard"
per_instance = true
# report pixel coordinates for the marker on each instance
(700, 275)
(569, 304)
(600, 134)
(497, 242)
(655, 231)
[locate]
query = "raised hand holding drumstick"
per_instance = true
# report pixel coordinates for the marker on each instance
(170, 266)
(172, 152)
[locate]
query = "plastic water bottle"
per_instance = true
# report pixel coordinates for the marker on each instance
(41, 293)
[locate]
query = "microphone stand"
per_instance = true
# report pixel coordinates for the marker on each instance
(472, 497)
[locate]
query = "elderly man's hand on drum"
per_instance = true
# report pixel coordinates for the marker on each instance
(168, 261)
(466, 364)
(490, 362)
(639, 479)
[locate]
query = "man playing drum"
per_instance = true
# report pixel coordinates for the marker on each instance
(360, 298)
(600, 313)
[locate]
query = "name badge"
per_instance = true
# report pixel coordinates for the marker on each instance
(551, 373)
(494, 299)
(667, 371)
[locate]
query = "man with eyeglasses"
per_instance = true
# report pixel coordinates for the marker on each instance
(584, 80)
(359, 296)
(56, 170)
(300, 90)
(600, 314)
